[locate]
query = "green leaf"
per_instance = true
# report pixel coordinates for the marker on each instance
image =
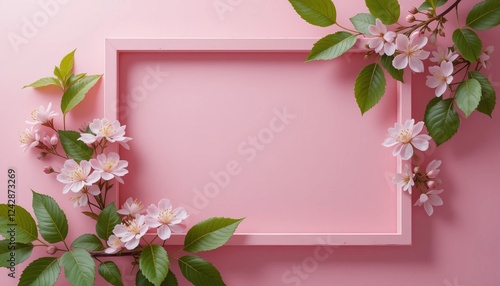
(18, 222)
(46, 81)
(468, 44)
(468, 96)
(73, 147)
(369, 87)
(74, 78)
(41, 272)
(484, 15)
(76, 93)
(387, 11)
(58, 74)
(110, 272)
(432, 4)
(107, 220)
(199, 271)
(141, 280)
(79, 267)
(396, 74)
(52, 221)
(91, 215)
(316, 12)
(66, 65)
(12, 252)
(441, 119)
(154, 263)
(210, 234)
(332, 46)
(88, 242)
(488, 94)
(362, 21)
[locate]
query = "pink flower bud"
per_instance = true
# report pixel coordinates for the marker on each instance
(54, 140)
(51, 249)
(432, 174)
(433, 39)
(410, 19)
(416, 169)
(431, 184)
(46, 141)
(413, 10)
(48, 170)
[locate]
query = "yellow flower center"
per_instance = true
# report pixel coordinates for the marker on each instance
(166, 216)
(133, 226)
(404, 136)
(109, 165)
(107, 129)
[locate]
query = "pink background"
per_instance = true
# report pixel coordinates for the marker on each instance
(457, 246)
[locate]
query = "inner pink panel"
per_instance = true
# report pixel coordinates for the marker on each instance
(260, 135)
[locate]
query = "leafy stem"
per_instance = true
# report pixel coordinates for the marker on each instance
(438, 17)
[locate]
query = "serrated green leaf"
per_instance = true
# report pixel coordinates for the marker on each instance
(488, 94)
(362, 21)
(12, 252)
(441, 119)
(79, 267)
(387, 11)
(51, 219)
(41, 272)
(210, 234)
(76, 93)
(468, 44)
(154, 264)
(141, 280)
(316, 12)
(200, 272)
(369, 87)
(88, 242)
(432, 4)
(332, 46)
(66, 65)
(468, 96)
(484, 15)
(106, 221)
(73, 147)
(15, 220)
(46, 81)
(111, 273)
(396, 74)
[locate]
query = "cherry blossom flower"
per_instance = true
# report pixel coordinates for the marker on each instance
(76, 176)
(443, 54)
(30, 138)
(42, 116)
(383, 41)
(430, 200)
(81, 199)
(440, 78)
(406, 137)
(166, 219)
(405, 179)
(102, 128)
(484, 57)
(131, 207)
(131, 231)
(410, 52)
(115, 244)
(109, 167)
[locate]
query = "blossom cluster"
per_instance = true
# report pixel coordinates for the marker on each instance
(408, 51)
(137, 221)
(405, 138)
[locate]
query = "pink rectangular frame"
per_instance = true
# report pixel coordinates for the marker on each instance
(280, 45)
